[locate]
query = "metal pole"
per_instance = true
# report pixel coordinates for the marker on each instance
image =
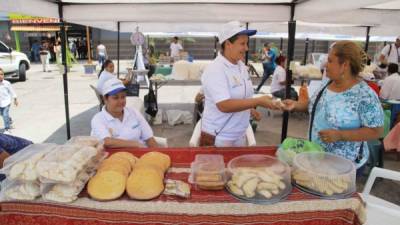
(88, 45)
(215, 47)
(367, 40)
(64, 62)
(247, 52)
(290, 56)
(118, 42)
(305, 51)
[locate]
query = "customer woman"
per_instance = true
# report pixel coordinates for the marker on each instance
(228, 91)
(106, 73)
(119, 126)
(345, 112)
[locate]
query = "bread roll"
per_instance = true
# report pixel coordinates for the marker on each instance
(125, 155)
(106, 185)
(158, 159)
(144, 183)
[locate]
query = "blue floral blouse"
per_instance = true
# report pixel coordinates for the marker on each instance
(354, 108)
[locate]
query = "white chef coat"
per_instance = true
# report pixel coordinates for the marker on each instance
(175, 48)
(391, 87)
(222, 80)
(133, 126)
(393, 56)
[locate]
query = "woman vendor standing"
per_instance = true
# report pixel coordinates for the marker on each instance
(228, 91)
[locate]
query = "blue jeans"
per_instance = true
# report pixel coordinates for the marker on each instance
(268, 71)
(102, 59)
(4, 112)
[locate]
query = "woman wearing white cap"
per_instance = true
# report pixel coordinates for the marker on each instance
(228, 91)
(117, 125)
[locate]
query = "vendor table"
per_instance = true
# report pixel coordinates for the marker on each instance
(204, 207)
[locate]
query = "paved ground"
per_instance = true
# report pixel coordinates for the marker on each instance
(40, 116)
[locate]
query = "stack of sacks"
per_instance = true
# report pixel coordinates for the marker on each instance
(22, 181)
(307, 71)
(147, 178)
(110, 180)
(197, 68)
(180, 70)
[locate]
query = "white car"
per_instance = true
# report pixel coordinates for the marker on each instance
(14, 64)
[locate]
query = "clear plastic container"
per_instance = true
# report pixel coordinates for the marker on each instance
(324, 174)
(208, 172)
(258, 178)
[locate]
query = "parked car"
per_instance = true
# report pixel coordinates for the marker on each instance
(14, 64)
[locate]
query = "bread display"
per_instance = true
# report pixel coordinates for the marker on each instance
(126, 155)
(107, 185)
(157, 159)
(144, 183)
(26, 169)
(208, 172)
(258, 178)
(324, 174)
(248, 182)
(64, 163)
(23, 191)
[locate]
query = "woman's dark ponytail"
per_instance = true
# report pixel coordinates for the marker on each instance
(105, 64)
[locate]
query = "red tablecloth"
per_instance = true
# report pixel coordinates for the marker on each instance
(203, 207)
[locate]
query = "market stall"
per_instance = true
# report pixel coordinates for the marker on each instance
(202, 207)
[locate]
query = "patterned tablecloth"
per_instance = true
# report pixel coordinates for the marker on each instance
(204, 207)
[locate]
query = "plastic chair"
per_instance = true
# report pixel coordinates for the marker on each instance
(162, 142)
(380, 211)
(99, 96)
(195, 139)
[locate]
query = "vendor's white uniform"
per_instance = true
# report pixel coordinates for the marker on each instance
(221, 81)
(104, 76)
(394, 55)
(133, 127)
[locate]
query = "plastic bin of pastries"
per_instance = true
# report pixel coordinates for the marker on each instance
(258, 178)
(208, 172)
(324, 174)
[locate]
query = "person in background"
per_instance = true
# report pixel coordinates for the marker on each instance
(228, 91)
(268, 57)
(106, 73)
(278, 84)
(44, 55)
(57, 51)
(35, 50)
(390, 54)
(391, 85)
(344, 111)
(175, 47)
(7, 95)
(117, 125)
(101, 53)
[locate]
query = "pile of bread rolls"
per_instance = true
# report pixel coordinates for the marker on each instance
(142, 178)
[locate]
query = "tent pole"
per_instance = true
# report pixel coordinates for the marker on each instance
(215, 46)
(64, 62)
(290, 56)
(367, 40)
(88, 45)
(118, 42)
(248, 43)
(305, 51)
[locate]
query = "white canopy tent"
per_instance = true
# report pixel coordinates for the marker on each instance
(343, 16)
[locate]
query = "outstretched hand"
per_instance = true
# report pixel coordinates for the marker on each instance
(288, 105)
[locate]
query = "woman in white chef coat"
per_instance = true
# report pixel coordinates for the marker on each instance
(228, 91)
(119, 126)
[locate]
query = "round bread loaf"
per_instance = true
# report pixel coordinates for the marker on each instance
(158, 159)
(106, 185)
(144, 183)
(125, 155)
(114, 167)
(117, 161)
